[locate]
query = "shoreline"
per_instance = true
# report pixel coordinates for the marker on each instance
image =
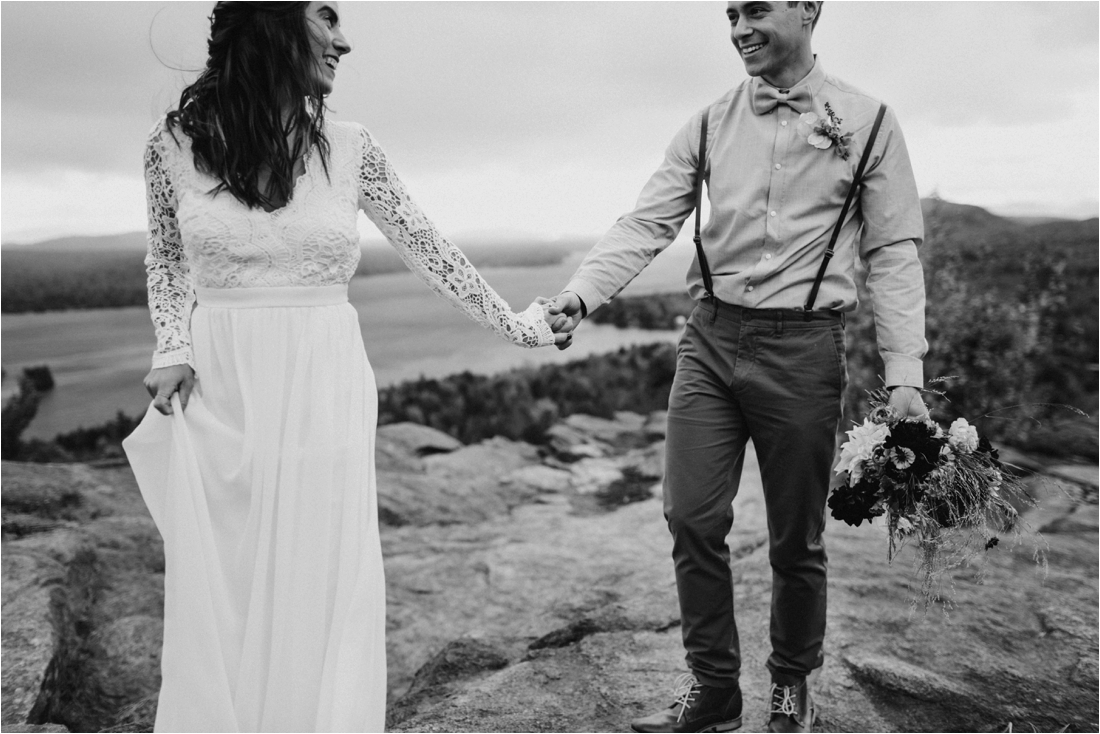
(99, 357)
(54, 418)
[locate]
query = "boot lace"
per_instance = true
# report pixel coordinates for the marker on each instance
(783, 701)
(686, 689)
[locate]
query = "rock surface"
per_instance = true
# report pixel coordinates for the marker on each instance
(583, 606)
(30, 636)
(82, 596)
(532, 590)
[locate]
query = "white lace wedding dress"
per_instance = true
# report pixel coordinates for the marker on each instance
(264, 489)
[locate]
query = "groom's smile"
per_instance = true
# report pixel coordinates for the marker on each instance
(771, 38)
(750, 49)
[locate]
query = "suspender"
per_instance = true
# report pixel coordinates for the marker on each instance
(844, 210)
(707, 282)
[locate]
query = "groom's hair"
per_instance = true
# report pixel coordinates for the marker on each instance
(816, 17)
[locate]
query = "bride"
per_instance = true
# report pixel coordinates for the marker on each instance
(264, 487)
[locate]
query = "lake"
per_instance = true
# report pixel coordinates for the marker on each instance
(99, 357)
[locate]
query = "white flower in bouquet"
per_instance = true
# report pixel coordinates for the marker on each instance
(860, 446)
(962, 436)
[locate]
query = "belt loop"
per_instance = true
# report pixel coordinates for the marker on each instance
(843, 320)
(807, 315)
(779, 325)
(714, 305)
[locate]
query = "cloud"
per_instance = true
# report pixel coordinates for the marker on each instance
(967, 63)
(81, 83)
(460, 77)
(51, 203)
(550, 116)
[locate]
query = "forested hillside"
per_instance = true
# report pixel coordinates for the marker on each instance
(1011, 320)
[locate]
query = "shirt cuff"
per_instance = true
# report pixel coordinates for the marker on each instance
(902, 370)
(587, 292)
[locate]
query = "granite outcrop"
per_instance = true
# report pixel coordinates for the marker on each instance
(531, 589)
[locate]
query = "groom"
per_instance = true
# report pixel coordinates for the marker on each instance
(754, 361)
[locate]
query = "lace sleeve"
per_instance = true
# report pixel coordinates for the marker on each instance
(434, 259)
(171, 294)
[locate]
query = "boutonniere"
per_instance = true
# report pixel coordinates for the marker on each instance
(825, 133)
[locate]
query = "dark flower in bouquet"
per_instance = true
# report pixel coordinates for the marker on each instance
(913, 449)
(987, 449)
(854, 504)
(944, 488)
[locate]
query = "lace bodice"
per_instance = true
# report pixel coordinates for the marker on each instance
(196, 239)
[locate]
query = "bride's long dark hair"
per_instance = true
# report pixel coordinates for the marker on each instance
(260, 67)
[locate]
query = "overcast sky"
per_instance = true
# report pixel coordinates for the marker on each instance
(544, 120)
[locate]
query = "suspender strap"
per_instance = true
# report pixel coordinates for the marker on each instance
(707, 284)
(844, 210)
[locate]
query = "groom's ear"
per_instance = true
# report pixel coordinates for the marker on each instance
(811, 12)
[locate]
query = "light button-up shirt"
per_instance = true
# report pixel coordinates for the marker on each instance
(775, 199)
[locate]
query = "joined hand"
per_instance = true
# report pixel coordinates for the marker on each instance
(561, 324)
(565, 304)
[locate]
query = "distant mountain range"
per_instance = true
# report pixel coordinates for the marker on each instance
(964, 218)
(131, 241)
(974, 218)
(108, 271)
(79, 243)
(1004, 242)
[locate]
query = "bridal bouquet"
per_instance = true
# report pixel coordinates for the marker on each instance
(945, 489)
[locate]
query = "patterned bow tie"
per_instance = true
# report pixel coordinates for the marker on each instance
(765, 97)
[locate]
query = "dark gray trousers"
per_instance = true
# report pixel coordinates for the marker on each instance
(774, 377)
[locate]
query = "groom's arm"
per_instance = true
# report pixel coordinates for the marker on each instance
(893, 228)
(636, 238)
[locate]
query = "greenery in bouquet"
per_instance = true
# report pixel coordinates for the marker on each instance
(944, 489)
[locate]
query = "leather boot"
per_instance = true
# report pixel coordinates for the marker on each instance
(791, 708)
(697, 708)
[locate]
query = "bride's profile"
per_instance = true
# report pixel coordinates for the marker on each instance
(256, 458)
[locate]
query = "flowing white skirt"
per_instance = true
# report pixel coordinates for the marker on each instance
(264, 493)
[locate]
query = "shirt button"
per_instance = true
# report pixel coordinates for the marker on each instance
(750, 287)
(771, 213)
(768, 256)
(784, 123)
(778, 166)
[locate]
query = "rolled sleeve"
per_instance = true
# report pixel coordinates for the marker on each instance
(892, 230)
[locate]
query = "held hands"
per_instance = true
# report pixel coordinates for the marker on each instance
(907, 403)
(566, 304)
(164, 381)
(561, 323)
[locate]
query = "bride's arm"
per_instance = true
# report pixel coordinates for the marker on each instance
(434, 259)
(171, 294)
